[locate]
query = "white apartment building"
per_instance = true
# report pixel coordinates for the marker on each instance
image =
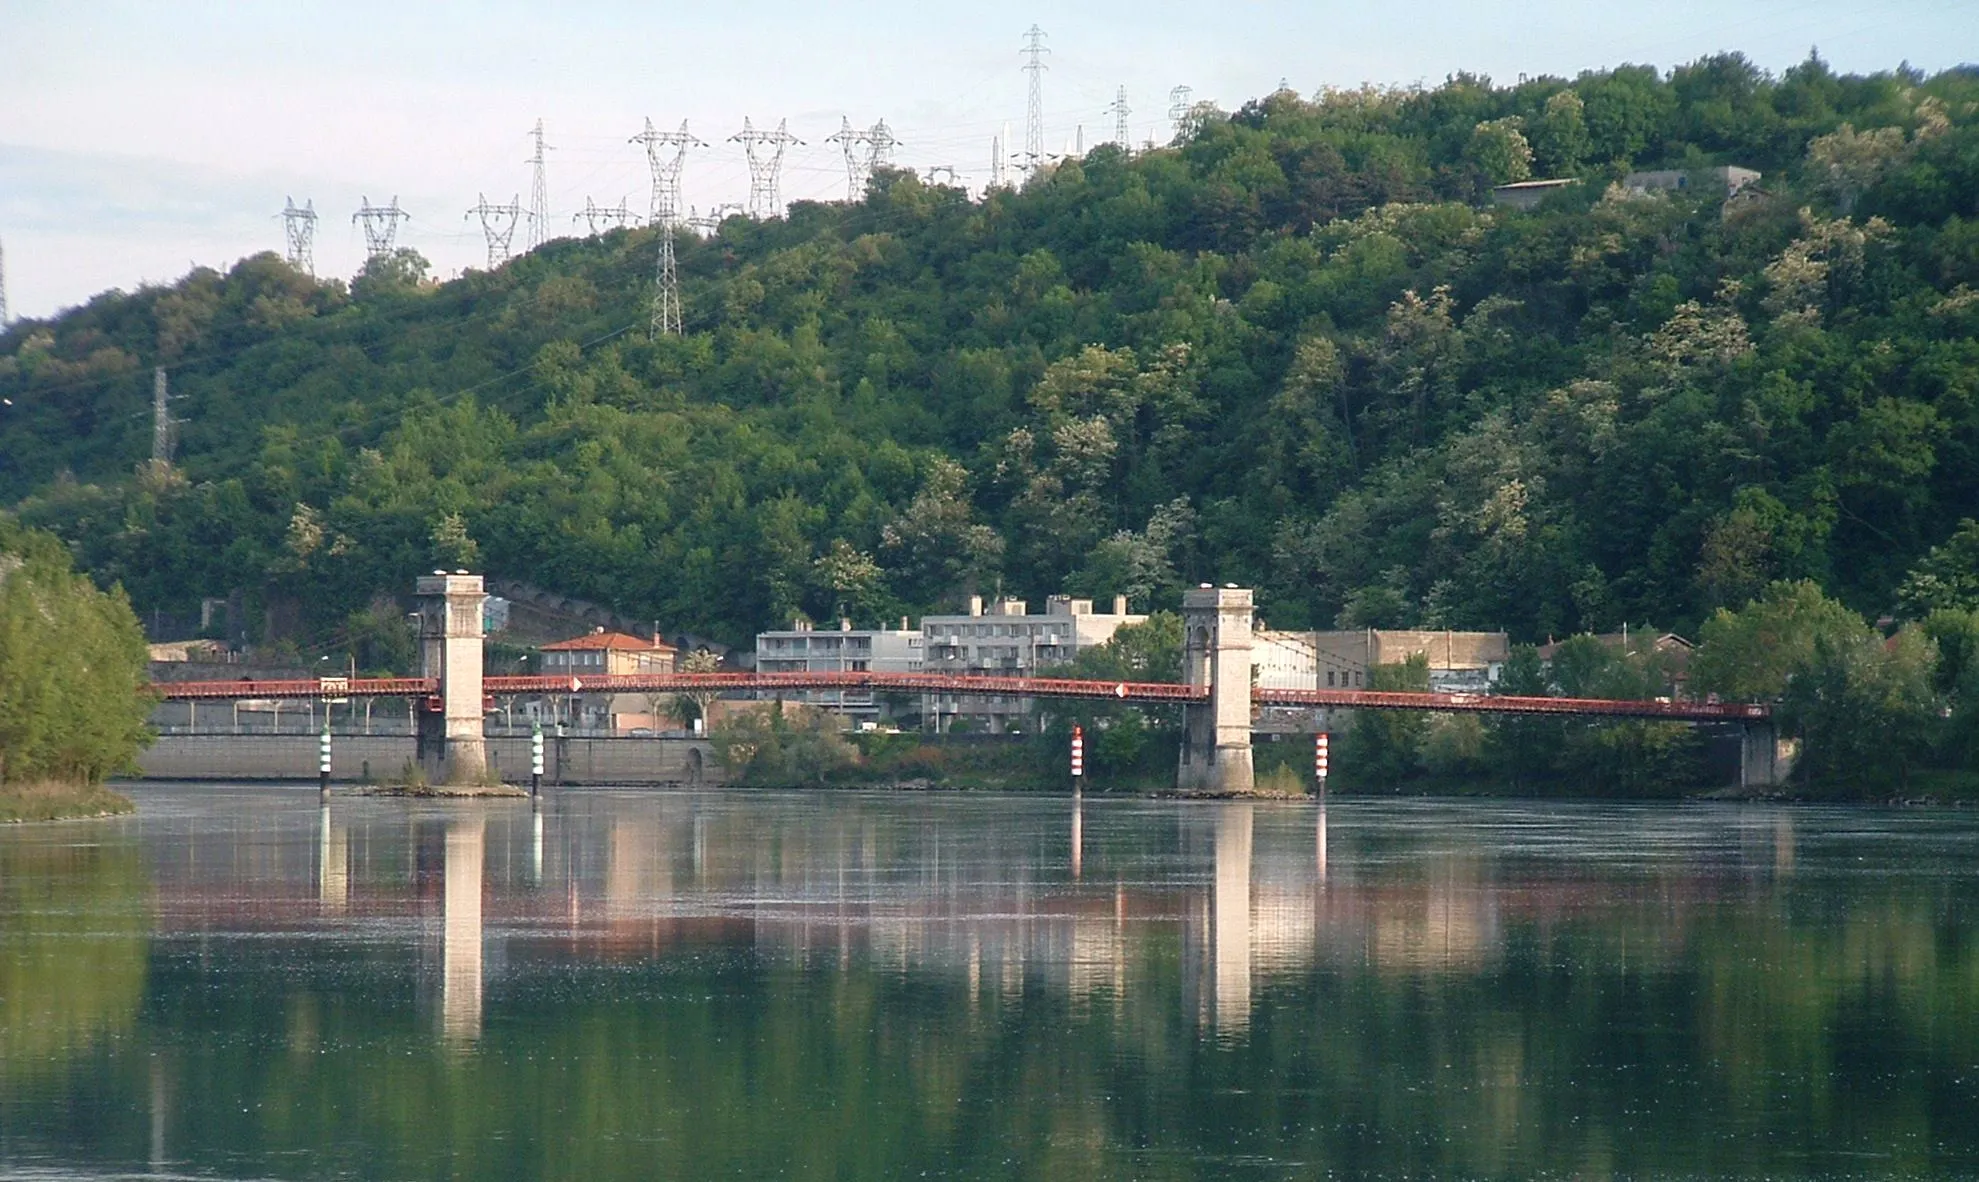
(1005, 639)
(804, 649)
(1459, 662)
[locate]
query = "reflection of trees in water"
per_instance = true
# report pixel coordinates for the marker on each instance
(74, 923)
(1446, 1013)
(1555, 1053)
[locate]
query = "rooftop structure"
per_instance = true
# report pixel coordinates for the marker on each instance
(1527, 194)
(1728, 178)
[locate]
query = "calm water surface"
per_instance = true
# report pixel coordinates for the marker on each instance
(236, 983)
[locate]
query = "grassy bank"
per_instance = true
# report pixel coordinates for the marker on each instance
(47, 800)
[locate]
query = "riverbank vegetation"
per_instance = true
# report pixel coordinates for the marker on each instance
(1869, 714)
(72, 672)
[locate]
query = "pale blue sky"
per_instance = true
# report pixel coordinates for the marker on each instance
(138, 138)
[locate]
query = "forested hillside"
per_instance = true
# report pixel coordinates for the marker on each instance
(1299, 349)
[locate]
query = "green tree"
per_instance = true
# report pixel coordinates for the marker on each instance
(694, 704)
(1865, 711)
(1132, 744)
(1559, 136)
(1752, 654)
(1383, 749)
(1945, 578)
(773, 748)
(73, 703)
(1499, 151)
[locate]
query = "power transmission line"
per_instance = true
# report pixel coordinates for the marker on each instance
(498, 225)
(1034, 111)
(1121, 136)
(299, 229)
(765, 151)
(381, 226)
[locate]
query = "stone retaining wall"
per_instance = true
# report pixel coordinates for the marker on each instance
(381, 757)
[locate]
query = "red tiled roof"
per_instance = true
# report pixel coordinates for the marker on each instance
(608, 640)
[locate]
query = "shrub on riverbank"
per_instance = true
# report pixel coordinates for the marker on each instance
(47, 800)
(72, 672)
(783, 748)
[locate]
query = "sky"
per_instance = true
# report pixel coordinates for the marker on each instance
(138, 139)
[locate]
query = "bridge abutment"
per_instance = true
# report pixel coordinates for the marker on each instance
(451, 748)
(1216, 653)
(1759, 755)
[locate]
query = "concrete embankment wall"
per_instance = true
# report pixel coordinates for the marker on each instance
(383, 757)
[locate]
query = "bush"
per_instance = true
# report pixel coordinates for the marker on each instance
(772, 749)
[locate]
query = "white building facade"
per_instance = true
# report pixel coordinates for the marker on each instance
(1006, 639)
(803, 649)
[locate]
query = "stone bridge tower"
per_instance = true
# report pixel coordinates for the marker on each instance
(451, 747)
(1216, 652)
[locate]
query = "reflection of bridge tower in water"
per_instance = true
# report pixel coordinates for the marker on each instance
(1216, 652)
(1230, 918)
(460, 955)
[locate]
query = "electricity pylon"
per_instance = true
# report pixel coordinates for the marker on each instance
(539, 191)
(665, 208)
(765, 152)
(880, 145)
(603, 219)
(498, 224)
(161, 419)
(848, 142)
(711, 222)
(381, 226)
(1121, 136)
(299, 228)
(666, 215)
(3, 287)
(1179, 107)
(1034, 111)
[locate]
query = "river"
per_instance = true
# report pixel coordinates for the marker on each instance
(237, 983)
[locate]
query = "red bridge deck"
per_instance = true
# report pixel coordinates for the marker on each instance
(973, 686)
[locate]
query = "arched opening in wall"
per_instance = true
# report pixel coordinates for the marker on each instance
(694, 766)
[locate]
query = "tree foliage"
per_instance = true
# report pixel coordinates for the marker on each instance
(72, 668)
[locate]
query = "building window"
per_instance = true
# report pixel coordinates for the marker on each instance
(1329, 679)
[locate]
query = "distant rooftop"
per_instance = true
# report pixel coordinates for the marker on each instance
(608, 640)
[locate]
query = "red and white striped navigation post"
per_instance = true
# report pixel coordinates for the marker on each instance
(1319, 760)
(1078, 755)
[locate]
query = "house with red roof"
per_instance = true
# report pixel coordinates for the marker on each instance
(599, 653)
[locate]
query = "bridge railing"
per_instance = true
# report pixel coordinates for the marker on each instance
(965, 685)
(1513, 704)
